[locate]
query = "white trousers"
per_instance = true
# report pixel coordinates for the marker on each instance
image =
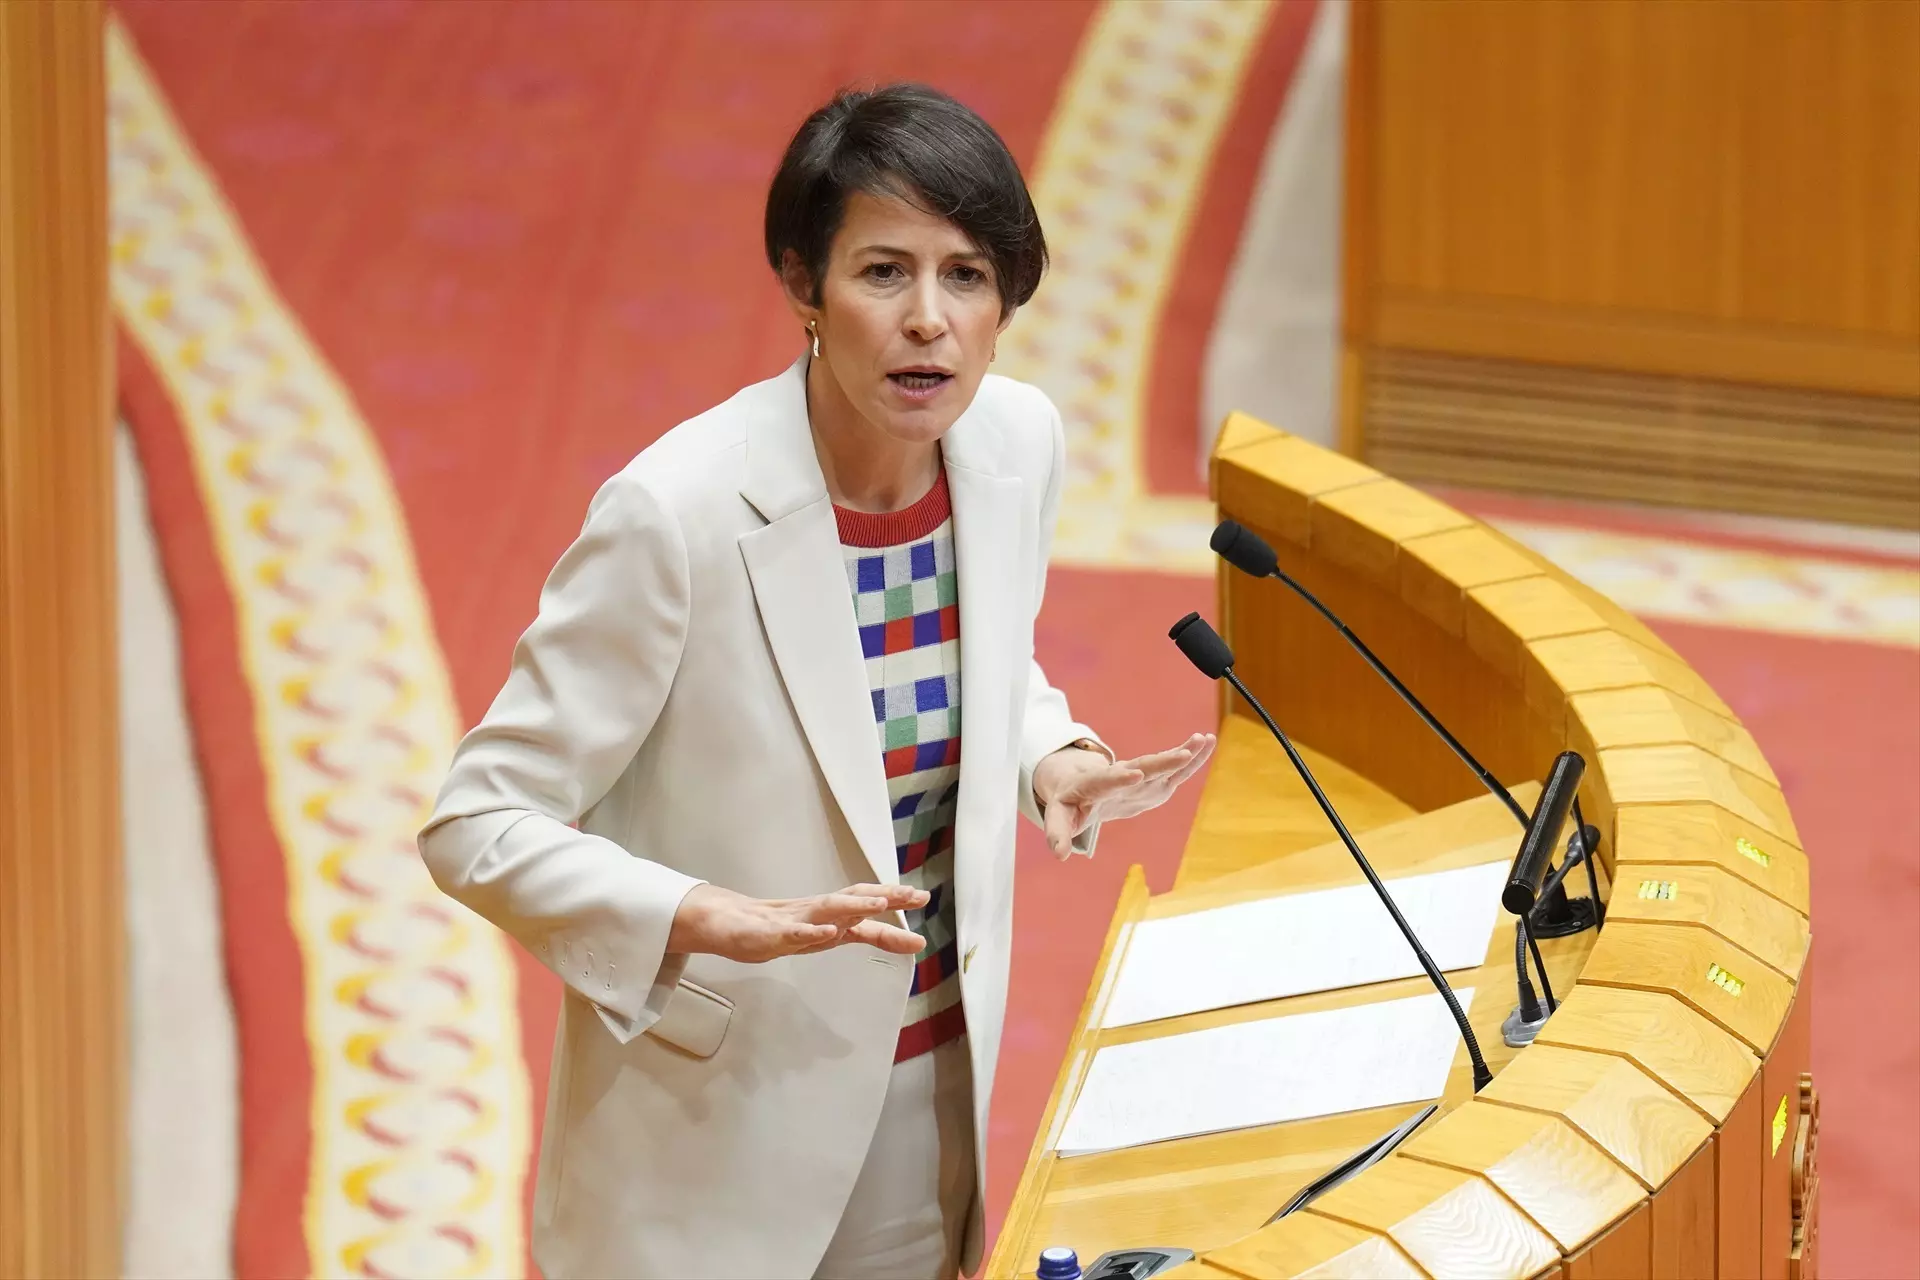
(910, 1203)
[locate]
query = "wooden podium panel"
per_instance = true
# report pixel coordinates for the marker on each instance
(1703, 834)
(1739, 1163)
(1263, 809)
(1437, 571)
(1307, 1244)
(1624, 1111)
(1550, 1170)
(1218, 1187)
(1706, 1066)
(1709, 974)
(1715, 900)
(1683, 1221)
(1791, 1125)
(1644, 716)
(1449, 1222)
(1679, 772)
(1664, 1123)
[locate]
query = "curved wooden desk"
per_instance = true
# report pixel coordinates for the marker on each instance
(1665, 1122)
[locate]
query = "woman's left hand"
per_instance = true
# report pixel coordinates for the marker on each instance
(1077, 788)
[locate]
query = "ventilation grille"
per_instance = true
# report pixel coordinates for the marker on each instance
(1640, 438)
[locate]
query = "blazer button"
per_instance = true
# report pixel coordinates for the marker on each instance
(966, 961)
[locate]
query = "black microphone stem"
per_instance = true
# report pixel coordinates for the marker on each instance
(1359, 646)
(1250, 554)
(1482, 1075)
(1546, 983)
(1588, 854)
(1555, 881)
(1529, 1002)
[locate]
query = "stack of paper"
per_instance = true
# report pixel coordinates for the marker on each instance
(1288, 946)
(1265, 1072)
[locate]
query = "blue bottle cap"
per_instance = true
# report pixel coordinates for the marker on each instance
(1059, 1264)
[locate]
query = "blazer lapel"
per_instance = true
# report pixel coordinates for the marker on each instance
(993, 587)
(800, 584)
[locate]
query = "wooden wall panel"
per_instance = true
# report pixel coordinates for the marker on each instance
(1700, 202)
(1728, 164)
(61, 939)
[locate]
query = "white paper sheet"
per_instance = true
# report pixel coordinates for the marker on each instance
(1265, 1072)
(1290, 945)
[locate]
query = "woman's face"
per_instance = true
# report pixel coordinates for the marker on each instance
(907, 318)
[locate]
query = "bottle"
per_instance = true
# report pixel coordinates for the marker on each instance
(1059, 1264)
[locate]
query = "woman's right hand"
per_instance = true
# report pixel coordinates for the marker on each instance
(716, 921)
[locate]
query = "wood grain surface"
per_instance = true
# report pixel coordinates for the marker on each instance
(1612, 659)
(1243, 468)
(1703, 1063)
(1656, 167)
(1617, 159)
(1645, 716)
(1684, 1220)
(1306, 1244)
(1625, 1252)
(1260, 809)
(1631, 1116)
(1450, 1223)
(1575, 259)
(1748, 999)
(1740, 1153)
(1704, 834)
(1681, 772)
(1502, 618)
(1460, 835)
(1436, 571)
(1360, 528)
(1788, 1059)
(1722, 903)
(62, 947)
(1565, 1184)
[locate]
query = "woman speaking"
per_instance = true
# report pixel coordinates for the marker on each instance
(750, 786)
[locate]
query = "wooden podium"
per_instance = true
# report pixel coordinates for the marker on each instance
(1665, 1121)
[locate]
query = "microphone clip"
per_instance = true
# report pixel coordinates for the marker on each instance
(1556, 915)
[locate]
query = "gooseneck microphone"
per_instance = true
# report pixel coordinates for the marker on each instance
(1248, 552)
(1211, 655)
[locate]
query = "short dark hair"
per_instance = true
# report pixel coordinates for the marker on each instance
(918, 144)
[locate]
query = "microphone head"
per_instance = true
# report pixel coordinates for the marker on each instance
(1244, 549)
(1202, 645)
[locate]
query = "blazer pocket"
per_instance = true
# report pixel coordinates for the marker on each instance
(696, 1020)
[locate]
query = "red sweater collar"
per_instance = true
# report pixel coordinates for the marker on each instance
(893, 528)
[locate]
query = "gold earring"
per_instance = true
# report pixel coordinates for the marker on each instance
(993, 354)
(813, 327)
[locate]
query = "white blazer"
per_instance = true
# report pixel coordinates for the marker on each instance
(692, 696)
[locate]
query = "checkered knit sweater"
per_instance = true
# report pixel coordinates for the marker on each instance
(901, 569)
